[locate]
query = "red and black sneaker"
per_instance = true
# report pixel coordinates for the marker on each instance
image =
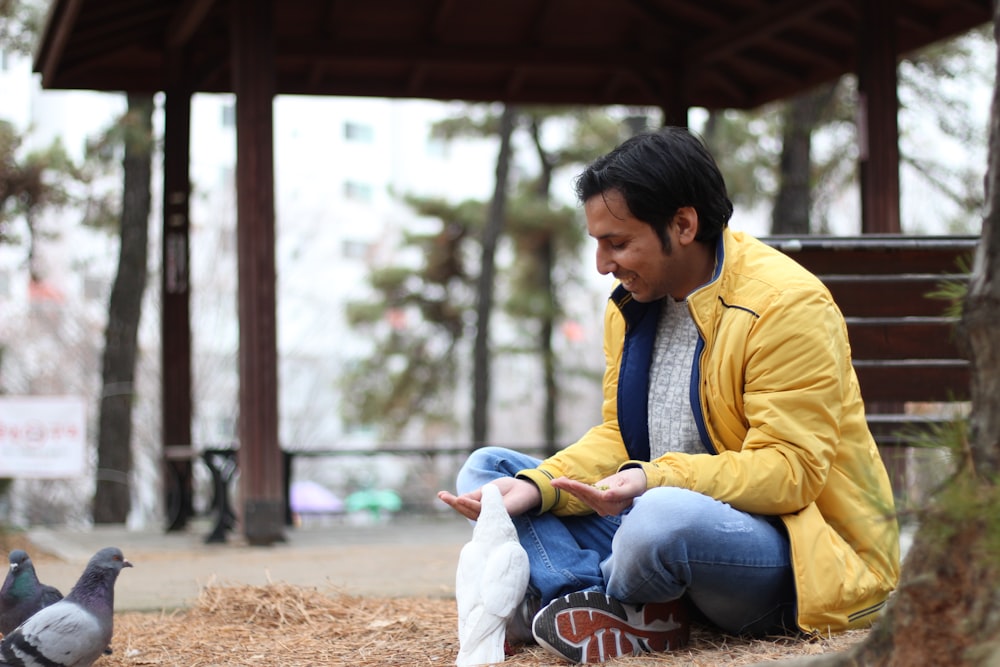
(589, 627)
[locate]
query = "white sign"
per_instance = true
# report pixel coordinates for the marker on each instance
(42, 436)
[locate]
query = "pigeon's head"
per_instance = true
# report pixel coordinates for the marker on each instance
(493, 516)
(109, 558)
(18, 557)
(492, 505)
(96, 585)
(492, 498)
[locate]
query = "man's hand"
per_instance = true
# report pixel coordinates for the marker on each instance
(519, 496)
(610, 496)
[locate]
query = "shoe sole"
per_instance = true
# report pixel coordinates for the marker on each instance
(590, 628)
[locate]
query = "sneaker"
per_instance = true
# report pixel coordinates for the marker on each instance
(589, 627)
(519, 625)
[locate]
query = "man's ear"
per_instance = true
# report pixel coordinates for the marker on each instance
(686, 224)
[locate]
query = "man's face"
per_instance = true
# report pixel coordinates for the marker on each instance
(630, 250)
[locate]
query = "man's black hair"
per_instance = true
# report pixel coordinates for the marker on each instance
(658, 173)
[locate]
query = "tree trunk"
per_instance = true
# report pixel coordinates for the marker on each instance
(794, 200)
(946, 610)
(487, 272)
(547, 267)
(114, 438)
(549, 425)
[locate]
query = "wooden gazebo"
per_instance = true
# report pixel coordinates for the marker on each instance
(673, 54)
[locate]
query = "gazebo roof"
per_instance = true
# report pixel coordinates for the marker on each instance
(711, 53)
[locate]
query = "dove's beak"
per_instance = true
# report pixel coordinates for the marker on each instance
(125, 563)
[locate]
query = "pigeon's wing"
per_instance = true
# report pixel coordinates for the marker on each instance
(61, 635)
(12, 616)
(504, 579)
(467, 580)
(49, 595)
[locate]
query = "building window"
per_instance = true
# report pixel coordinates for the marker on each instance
(93, 288)
(227, 176)
(438, 148)
(225, 428)
(355, 249)
(359, 132)
(358, 191)
(229, 115)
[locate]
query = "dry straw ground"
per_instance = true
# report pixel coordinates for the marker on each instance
(280, 625)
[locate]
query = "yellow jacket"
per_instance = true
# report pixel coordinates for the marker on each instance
(780, 410)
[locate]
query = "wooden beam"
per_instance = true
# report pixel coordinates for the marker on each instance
(186, 21)
(313, 51)
(651, 82)
(613, 83)
(756, 28)
(60, 25)
(213, 67)
(514, 84)
(931, 22)
(730, 85)
(535, 25)
(771, 70)
(96, 36)
(687, 11)
(835, 35)
(416, 78)
(805, 55)
(438, 26)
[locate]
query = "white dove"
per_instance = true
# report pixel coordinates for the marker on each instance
(490, 583)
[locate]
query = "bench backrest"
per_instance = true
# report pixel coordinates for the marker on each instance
(902, 342)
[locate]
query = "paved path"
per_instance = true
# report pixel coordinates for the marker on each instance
(403, 557)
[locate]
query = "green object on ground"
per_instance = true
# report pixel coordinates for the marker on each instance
(375, 501)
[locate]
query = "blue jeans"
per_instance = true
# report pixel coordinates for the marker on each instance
(733, 567)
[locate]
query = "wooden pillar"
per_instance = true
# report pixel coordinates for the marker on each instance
(675, 107)
(878, 156)
(175, 318)
(260, 454)
(878, 127)
(675, 114)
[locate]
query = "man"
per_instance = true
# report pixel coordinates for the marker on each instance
(733, 476)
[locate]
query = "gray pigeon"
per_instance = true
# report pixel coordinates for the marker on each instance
(22, 594)
(75, 631)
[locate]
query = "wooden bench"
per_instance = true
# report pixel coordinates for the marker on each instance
(177, 470)
(911, 371)
(178, 493)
